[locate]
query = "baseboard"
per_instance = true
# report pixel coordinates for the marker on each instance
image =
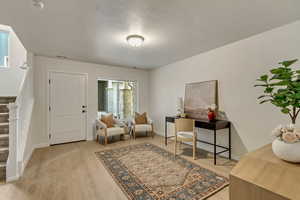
(26, 160)
(90, 139)
(41, 145)
(28, 157)
(11, 179)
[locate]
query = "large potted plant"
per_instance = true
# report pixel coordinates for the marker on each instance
(282, 89)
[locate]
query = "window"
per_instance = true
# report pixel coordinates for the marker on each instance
(117, 97)
(4, 37)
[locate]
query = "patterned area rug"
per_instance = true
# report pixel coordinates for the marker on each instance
(146, 172)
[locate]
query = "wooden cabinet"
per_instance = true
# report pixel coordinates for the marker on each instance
(260, 175)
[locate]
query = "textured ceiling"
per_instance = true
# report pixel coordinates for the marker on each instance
(95, 30)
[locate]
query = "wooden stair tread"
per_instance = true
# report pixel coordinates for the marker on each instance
(4, 123)
(4, 135)
(7, 100)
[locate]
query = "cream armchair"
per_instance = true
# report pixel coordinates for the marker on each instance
(148, 128)
(119, 128)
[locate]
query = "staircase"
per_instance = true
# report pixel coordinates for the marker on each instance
(4, 131)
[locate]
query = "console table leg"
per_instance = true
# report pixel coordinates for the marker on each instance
(215, 147)
(166, 133)
(229, 142)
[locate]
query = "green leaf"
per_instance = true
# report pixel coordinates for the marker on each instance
(282, 91)
(297, 96)
(264, 101)
(264, 77)
(280, 83)
(297, 105)
(288, 62)
(282, 87)
(296, 84)
(269, 90)
(275, 76)
(277, 70)
(285, 110)
(261, 85)
(262, 96)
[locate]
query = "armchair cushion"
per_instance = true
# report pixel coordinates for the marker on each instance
(115, 131)
(143, 128)
(108, 120)
(140, 118)
(132, 122)
(100, 124)
(185, 134)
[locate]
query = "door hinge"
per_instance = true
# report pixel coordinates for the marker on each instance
(49, 108)
(49, 81)
(50, 136)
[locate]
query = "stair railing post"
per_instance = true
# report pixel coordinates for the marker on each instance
(12, 169)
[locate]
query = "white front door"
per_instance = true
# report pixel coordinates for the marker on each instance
(67, 107)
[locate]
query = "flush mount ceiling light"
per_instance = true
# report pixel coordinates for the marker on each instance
(135, 40)
(38, 4)
(62, 57)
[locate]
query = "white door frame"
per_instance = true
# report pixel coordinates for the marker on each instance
(49, 96)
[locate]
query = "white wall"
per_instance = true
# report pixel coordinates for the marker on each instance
(236, 67)
(44, 64)
(11, 77)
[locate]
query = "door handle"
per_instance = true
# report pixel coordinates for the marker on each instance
(84, 106)
(83, 111)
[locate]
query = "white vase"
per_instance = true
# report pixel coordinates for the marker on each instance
(286, 151)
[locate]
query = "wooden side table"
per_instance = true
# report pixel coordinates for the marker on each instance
(260, 175)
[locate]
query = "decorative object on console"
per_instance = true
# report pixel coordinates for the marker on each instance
(198, 96)
(282, 89)
(183, 115)
(211, 112)
(179, 105)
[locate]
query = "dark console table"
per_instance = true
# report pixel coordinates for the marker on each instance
(211, 125)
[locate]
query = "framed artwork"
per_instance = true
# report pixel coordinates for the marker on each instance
(198, 97)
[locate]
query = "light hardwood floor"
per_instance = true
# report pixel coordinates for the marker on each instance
(72, 172)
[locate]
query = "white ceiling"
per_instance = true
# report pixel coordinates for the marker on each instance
(96, 30)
